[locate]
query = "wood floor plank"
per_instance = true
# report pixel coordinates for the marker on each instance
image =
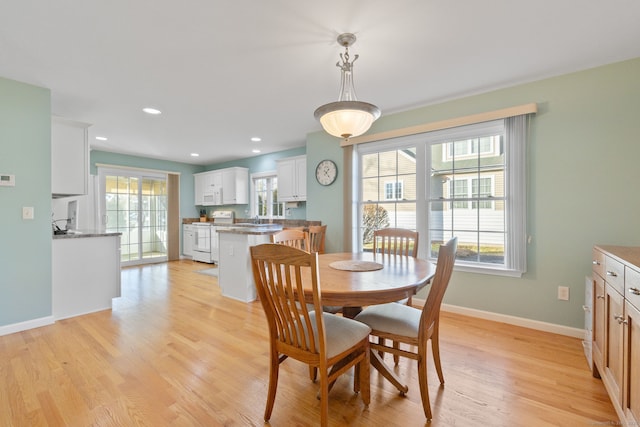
(174, 352)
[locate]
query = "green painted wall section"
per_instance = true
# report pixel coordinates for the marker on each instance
(25, 252)
(583, 174)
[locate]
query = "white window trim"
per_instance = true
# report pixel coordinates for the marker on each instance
(252, 189)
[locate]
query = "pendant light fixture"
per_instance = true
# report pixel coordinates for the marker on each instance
(347, 117)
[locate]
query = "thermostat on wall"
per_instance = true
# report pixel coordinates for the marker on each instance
(7, 180)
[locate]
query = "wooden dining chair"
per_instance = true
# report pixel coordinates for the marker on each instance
(414, 327)
(396, 241)
(295, 238)
(321, 340)
(317, 235)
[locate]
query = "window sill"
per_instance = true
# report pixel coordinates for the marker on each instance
(491, 270)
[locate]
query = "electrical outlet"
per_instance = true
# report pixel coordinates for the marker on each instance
(27, 212)
(563, 293)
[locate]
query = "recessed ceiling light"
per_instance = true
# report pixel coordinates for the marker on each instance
(101, 138)
(149, 110)
(194, 154)
(255, 151)
(256, 139)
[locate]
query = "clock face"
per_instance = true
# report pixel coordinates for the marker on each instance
(326, 172)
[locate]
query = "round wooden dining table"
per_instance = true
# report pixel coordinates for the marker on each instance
(354, 280)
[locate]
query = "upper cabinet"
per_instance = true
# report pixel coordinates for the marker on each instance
(235, 186)
(222, 187)
(69, 157)
(292, 179)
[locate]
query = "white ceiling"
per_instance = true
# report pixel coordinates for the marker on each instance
(223, 71)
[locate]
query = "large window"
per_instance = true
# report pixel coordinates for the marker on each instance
(265, 196)
(466, 182)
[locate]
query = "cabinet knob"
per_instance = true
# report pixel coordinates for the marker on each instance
(612, 273)
(599, 296)
(586, 308)
(620, 319)
(634, 291)
(595, 262)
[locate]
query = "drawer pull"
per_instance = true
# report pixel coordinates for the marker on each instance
(599, 296)
(612, 273)
(595, 262)
(620, 319)
(634, 291)
(586, 308)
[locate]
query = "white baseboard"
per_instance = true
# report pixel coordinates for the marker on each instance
(511, 320)
(29, 324)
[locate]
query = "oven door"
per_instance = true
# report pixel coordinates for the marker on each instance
(202, 238)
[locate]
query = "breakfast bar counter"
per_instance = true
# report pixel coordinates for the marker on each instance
(235, 276)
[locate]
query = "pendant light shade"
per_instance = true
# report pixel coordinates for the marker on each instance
(347, 117)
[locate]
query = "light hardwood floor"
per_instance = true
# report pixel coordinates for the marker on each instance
(174, 352)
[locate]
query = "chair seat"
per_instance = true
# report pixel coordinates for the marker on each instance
(392, 318)
(341, 333)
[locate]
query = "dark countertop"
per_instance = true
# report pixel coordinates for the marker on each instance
(85, 233)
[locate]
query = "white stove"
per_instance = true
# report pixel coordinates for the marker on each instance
(206, 247)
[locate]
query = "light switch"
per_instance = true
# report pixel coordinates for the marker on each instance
(27, 212)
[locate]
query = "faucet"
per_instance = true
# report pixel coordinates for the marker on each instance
(256, 219)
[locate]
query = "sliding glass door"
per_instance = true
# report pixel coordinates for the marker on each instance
(135, 204)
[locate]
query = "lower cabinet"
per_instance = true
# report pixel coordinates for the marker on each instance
(616, 327)
(187, 240)
(85, 274)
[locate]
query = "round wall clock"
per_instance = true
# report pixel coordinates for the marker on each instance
(326, 172)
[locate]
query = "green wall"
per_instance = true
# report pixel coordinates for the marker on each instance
(583, 172)
(25, 252)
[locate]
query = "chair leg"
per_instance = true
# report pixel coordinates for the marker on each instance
(396, 358)
(313, 373)
(435, 349)
(380, 352)
(324, 398)
(424, 386)
(364, 377)
(273, 385)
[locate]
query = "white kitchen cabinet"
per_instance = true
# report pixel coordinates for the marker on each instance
(208, 188)
(69, 157)
(85, 274)
(292, 179)
(187, 240)
(235, 186)
(198, 188)
(222, 187)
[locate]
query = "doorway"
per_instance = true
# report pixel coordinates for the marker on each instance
(135, 203)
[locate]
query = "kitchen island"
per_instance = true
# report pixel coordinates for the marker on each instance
(235, 275)
(85, 272)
